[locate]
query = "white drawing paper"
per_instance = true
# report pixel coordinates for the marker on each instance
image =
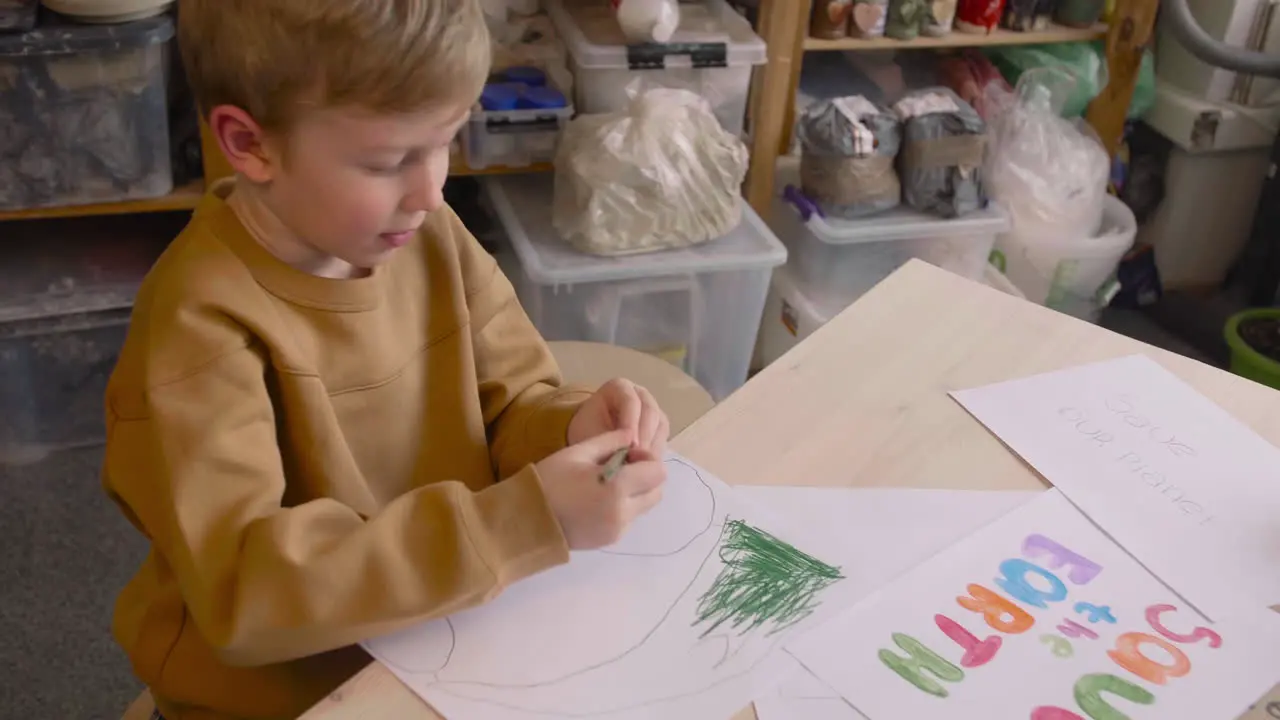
(1040, 615)
(684, 618)
(876, 534)
(802, 696)
(1172, 477)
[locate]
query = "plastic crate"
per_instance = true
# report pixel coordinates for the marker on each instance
(840, 260)
(712, 54)
(698, 307)
(793, 312)
(18, 15)
(83, 114)
(65, 303)
(513, 138)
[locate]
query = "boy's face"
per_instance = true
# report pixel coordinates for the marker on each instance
(355, 186)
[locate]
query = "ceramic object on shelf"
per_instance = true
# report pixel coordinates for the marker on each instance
(108, 11)
(868, 19)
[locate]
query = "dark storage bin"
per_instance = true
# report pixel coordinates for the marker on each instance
(83, 114)
(66, 293)
(18, 15)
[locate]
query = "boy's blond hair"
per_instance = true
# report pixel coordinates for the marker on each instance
(272, 58)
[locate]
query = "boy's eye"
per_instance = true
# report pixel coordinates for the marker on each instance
(412, 158)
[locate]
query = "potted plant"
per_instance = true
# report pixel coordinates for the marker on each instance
(1254, 339)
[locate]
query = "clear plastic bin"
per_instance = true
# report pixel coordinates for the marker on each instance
(698, 307)
(712, 54)
(513, 138)
(793, 312)
(18, 15)
(66, 292)
(83, 114)
(840, 260)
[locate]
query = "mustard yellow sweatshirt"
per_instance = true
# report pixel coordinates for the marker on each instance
(315, 461)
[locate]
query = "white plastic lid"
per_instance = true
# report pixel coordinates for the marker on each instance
(591, 33)
(523, 204)
(903, 223)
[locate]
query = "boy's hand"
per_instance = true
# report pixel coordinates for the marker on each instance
(623, 405)
(594, 514)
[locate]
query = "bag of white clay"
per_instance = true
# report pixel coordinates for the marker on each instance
(660, 173)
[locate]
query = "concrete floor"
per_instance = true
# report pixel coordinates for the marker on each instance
(67, 552)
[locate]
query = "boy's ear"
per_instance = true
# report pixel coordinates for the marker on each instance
(244, 143)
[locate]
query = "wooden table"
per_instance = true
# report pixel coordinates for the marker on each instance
(863, 403)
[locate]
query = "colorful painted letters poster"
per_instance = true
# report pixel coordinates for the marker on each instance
(877, 535)
(1040, 616)
(1191, 492)
(685, 617)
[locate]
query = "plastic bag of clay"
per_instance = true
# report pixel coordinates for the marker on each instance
(1050, 173)
(943, 147)
(848, 147)
(659, 173)
(1087, 61)
(968, 73)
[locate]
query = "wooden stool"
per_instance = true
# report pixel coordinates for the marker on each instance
(593, 364)
(141, 708)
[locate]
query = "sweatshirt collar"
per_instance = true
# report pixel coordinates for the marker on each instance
(278, 277)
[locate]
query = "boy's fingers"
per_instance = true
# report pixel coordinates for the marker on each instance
(602, 447)
(660, 442)
(650, 417)
(626, 406)
(640, 478)
(642, 454)
(641, 504)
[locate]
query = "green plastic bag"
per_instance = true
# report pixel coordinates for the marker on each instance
(1086, 62)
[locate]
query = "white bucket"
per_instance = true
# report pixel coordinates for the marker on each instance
(1069, 276)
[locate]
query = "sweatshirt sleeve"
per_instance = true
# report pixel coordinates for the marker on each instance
(527, 405)
(198, 467)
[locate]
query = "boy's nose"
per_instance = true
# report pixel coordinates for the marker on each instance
(426, 192)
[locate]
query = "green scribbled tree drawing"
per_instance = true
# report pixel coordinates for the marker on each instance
(764, 580)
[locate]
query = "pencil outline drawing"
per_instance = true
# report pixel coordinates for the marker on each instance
(763, 582)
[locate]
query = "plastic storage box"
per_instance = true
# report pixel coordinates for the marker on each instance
(712, 54)
(842, 259)
(698, 307)
(516, 137)
(18, 15)
(794, 312)
(83, 114)
(65, 300)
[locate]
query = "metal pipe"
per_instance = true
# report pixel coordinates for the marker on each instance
(1204, 46)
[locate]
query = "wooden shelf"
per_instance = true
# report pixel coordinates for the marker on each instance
(458, 168)
(188, 196)
(1056, 34)
(185, 197)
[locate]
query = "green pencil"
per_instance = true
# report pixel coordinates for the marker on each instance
(614, 464)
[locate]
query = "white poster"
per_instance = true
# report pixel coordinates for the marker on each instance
(1191, 492)
(1041, 616)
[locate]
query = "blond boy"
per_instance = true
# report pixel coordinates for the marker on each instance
(326, 377)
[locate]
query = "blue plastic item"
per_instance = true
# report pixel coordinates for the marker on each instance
(542, 98)
(531, 76)
(501, 96)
